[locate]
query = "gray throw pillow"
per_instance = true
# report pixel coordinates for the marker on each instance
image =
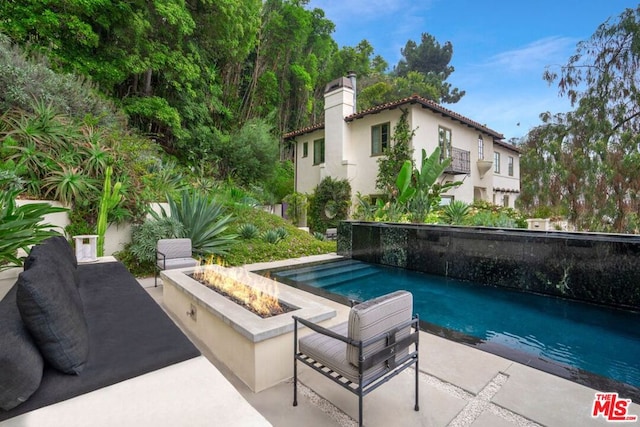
(53, 317)
(21, 364)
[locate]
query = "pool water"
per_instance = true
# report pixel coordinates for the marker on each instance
(592, 338)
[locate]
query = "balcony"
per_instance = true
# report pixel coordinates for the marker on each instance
(460, 162)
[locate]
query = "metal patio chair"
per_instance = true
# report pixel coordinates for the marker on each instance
(365, 352)
(174, 253)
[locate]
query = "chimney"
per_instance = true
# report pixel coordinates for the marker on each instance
(352, 77)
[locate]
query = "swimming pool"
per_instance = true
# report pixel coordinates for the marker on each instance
(565, 337)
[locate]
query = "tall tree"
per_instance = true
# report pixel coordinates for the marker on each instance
(591, 156)
(432, 60)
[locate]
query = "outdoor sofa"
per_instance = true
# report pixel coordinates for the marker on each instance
(86, 345)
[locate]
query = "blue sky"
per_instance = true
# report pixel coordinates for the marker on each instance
(500, 47)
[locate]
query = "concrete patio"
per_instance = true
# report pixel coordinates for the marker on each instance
(460, 386)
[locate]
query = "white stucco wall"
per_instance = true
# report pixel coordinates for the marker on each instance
(348, 151)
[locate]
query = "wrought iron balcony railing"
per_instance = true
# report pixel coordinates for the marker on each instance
(460, 162)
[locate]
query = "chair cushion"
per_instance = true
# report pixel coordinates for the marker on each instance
(174, 248)
(171, 263)
(53, 314)
(332, 353)
(21, 364)
(376, 316)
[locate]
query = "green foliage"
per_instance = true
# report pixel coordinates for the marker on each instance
(320, 236)
(329, 204)
(396, 155)
(249, 155)
(110, 199)
(432, 60)
(68, 184)
(152, 114)
(204, 222)
(488, 215)
(144, 238)
(299, 243)
(585, 164)
(22, 80)
(456, 212)
(282, 232)
(282, 182)
(427, 194)
(297, 205)
(271, 236)
(248, 231)
(20, 226)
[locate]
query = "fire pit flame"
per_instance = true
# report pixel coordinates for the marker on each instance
(264, 304)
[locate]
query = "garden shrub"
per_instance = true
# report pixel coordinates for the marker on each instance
(329, 204)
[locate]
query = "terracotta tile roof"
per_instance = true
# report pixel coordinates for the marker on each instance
(302, 131)
(509, 146)
(428, 104)
(414, 99)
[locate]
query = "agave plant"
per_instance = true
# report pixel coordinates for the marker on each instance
(204, 222)
(271, 236)
(247, 231)
(282, 232)
(456, 212)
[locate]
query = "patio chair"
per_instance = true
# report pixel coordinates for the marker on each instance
(173, 253)
(365, 352)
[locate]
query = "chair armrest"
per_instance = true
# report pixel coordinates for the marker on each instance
(164, 259)
(324, 331)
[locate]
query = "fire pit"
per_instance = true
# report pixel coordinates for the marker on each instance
(258, 350)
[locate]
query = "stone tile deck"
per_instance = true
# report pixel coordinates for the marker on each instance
(460, 386)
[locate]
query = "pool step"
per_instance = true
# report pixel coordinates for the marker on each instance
(335, 281)
(306, 274)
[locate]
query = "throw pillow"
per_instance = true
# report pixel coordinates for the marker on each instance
(21, 364)
(53, 317)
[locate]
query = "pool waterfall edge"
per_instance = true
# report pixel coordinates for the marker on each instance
(257, 350)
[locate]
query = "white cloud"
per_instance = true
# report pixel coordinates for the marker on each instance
(536, 55)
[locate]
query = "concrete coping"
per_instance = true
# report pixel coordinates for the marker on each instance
(248, 324)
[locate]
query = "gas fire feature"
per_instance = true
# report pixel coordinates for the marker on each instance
(258, 350)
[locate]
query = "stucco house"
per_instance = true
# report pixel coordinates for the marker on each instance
(349, 143)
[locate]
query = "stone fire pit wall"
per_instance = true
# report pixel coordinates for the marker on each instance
(593, 267)
(259, 351)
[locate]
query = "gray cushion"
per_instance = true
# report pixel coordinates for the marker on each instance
(332, 353)
(172, 263)
(174, 248)
(53, 315)
(376, 316)
(21, 364)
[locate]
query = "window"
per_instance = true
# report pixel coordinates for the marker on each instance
(318, 151)
(480, 148)
(496, 162)
(444, 141)
(305, 149)
(510, 165)
(379, 139)
(505, 201)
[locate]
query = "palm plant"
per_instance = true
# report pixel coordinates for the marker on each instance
(204, 222)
